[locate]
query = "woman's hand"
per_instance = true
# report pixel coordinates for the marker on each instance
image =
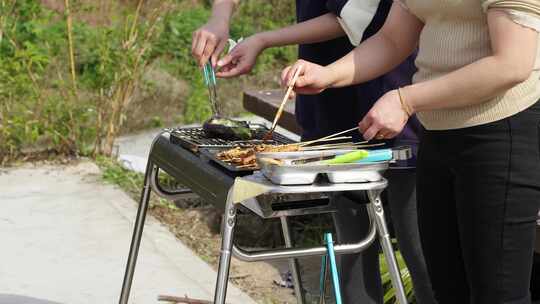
(210, 40)
(386, 119)
(313, 78)
(242, 58)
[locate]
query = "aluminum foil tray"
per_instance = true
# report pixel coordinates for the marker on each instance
(308, 174)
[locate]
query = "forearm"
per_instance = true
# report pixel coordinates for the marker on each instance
(396, 40)
(470, 85)
(223, 10)
(322, 28)
(371, 59)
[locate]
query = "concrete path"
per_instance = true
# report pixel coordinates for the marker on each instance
(65, 237)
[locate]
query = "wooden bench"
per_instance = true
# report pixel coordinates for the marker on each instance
(265, 103)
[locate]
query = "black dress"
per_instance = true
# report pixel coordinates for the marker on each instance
(335, 110)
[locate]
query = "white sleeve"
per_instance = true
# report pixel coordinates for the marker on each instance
(356, 16)
(525, 19)
(523, 12)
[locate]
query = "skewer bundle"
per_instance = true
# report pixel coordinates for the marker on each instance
(246, 157)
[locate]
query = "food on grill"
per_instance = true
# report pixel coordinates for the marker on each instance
(226, 128)
(245, 157)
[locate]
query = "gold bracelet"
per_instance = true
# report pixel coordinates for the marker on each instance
(404, 105)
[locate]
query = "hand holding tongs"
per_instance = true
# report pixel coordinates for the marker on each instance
(211, 83)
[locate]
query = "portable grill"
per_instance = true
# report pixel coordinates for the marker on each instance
(177, 152)
(196, 140)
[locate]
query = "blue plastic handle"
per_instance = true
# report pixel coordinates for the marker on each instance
(209, 74)
(206, 75)
(377, 156)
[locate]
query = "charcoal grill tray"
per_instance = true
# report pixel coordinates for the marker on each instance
(195, 139)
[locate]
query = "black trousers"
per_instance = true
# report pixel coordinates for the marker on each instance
(535, 280)
(360, 275)
(478, 200)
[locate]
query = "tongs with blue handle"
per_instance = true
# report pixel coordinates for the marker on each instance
(329, 260)
(211, 83)
(360, 156)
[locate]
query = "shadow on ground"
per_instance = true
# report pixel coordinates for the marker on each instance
(15, 299)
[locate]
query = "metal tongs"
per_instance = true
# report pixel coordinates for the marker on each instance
(211, 83)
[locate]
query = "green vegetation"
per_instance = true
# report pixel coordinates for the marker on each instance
(68, 77)
(390, 293)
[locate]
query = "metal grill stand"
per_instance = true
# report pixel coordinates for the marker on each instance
(163, 155)
(376, 215)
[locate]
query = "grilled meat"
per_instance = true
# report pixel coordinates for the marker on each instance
(246, 156)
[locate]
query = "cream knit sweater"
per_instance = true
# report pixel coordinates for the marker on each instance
(456, 34)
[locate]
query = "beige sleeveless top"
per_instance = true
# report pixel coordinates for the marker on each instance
(456, 34)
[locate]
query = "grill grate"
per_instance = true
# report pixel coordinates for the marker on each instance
(195, 138)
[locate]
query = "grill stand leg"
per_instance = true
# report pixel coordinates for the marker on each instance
(293, 263)
(137, 235)
(229, 222)
(376, 212)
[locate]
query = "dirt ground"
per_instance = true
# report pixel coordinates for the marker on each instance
(197, 228)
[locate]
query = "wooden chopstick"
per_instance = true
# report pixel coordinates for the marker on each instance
(285, 99)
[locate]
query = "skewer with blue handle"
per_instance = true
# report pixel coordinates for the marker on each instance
(333, 266)
(378, 156)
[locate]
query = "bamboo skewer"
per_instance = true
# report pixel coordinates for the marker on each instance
(343, 147)
(345, 144)
(307, 143)
(268, 135)
(327, 137)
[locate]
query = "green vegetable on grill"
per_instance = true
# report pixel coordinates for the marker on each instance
(226, 128)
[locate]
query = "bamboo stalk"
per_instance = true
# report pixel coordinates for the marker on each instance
(69, 22)
(136, 19)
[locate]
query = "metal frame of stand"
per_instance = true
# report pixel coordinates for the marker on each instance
(260, 207)
(378, 227)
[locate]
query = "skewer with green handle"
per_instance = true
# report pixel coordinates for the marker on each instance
(350, 157)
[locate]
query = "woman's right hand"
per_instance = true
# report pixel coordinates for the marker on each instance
(209, 41)
(313, 78)
(241, 58)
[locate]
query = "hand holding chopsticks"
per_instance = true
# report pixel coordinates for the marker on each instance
(268, 135)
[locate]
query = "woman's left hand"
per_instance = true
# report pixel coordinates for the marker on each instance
(386, 119)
